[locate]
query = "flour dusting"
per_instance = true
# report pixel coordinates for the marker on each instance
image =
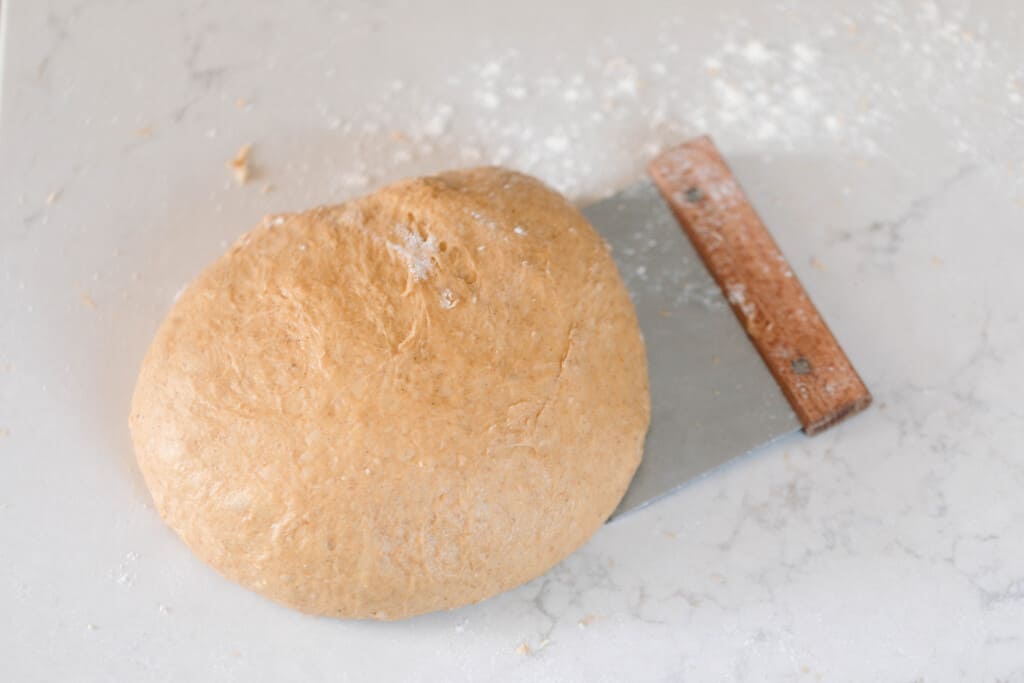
(419, 253)
(738, 297)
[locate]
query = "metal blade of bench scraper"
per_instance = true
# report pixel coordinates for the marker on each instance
(712, 397)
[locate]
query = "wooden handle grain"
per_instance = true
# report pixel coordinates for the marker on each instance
(806, 360)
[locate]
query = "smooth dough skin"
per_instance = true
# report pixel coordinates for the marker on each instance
(405, 403)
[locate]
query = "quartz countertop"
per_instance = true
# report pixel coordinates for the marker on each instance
(883, 144)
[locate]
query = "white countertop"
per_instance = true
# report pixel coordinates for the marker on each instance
(882, 142)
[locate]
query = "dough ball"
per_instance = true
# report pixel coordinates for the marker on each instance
(404, 403)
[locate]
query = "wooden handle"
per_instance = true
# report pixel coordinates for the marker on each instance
(789, 333)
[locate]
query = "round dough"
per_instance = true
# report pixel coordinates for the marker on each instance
(405, 403)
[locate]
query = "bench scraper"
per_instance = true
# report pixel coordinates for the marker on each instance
(690, 247)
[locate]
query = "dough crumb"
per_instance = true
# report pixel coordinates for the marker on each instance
(524, 649)
(87, 301)
(588, 620)
(53, 197)
(240, 164)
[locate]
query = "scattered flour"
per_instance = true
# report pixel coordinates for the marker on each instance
(556, 143)
(355, 179)
(125, 572)
(438, 123)
(586, 124)
(756, 53)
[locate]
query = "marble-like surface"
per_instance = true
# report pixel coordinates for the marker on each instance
(883, 143)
